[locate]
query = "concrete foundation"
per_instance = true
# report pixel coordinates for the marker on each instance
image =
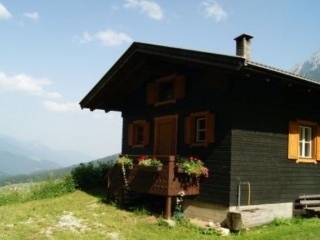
(251, 216)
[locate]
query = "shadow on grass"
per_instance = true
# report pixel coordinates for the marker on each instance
(99, 193)
(144, 203)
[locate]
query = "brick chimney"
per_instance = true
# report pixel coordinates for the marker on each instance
(243, 46)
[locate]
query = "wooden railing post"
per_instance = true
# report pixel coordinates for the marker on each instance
(171, 165)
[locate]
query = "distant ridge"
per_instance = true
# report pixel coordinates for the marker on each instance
(43, 175)
(309, 68)
(22, 158)
(12, 164)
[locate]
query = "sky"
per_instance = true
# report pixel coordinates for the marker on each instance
(52, 52)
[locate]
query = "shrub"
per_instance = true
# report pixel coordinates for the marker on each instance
(34, 191)
(53, 188)
(88, 176)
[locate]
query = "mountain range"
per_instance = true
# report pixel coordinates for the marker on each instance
(24, 157)
(309, 68)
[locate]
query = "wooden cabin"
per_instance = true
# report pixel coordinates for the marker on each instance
(254, 126)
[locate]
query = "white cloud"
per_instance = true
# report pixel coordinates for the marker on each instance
(61, 107)
(107, 38)
(213, 9)
(112, 38)
(34, 15)
(4, 13)
(152, 9)
(85, 38)
(54, 95)
(27, 84)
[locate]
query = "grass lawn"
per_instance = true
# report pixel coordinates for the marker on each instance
(80, 215)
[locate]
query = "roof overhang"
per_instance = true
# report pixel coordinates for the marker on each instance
(142, 60)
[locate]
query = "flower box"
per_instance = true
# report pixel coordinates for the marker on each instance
(179, 169)
(150, 168)
(193, 167)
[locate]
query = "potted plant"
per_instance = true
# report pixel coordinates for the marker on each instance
(193, 167)
(125, 161)
(149, 164)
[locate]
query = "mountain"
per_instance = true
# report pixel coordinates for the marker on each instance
(309, 68)
(39, 152)
(13, 164)
(43, 175)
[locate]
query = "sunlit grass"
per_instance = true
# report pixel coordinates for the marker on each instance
(20, 193)
(81, 215)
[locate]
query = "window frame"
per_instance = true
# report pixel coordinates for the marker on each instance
(133, 133)
(305, 141)
(294, 152)
(191, 129)
(153, 88)
(199, 129)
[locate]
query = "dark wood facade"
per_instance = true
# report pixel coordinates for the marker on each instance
(252, 106)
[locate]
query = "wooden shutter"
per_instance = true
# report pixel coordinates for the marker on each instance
(293, 140)
(188, 130)
(318, 143)
(130, 134)
(151, 93)
(146, 133)
(179, 87)
(210, 132)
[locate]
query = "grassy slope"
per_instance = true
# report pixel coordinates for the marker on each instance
(83, 216)
(43, 175)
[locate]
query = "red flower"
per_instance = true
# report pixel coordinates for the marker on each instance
(142, 158)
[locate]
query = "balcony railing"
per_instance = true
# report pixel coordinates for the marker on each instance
(167, 181)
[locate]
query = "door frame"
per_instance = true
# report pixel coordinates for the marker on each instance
(174, 117)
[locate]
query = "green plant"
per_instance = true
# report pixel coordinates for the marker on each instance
(146, 161)
(193, 167)
(20, 193)
(52, 188)
(124, 160)
(88, 176)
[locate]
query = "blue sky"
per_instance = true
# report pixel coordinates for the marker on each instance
(53, 52)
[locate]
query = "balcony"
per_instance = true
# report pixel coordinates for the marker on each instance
(166, 181)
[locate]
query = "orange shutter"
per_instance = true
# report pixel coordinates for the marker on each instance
(130, 134)
(293, 140)
(146, 133)
(210, 133)
(179, 87)
(318, 143)
(188, 129)
(151, 93)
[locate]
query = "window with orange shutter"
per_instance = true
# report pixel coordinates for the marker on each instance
(200, 129)
(304, 141)
(138, 133)
(166, 90)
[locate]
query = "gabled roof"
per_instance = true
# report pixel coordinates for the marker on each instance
(142, 60)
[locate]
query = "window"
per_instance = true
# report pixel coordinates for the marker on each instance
(304, 141)
(199, 129)
(166, 90)
(138, 133)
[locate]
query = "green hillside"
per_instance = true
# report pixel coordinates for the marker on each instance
(43, 175)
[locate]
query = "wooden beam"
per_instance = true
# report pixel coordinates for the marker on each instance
(168, 207)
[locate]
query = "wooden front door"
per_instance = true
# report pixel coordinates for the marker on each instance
(165, 135)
